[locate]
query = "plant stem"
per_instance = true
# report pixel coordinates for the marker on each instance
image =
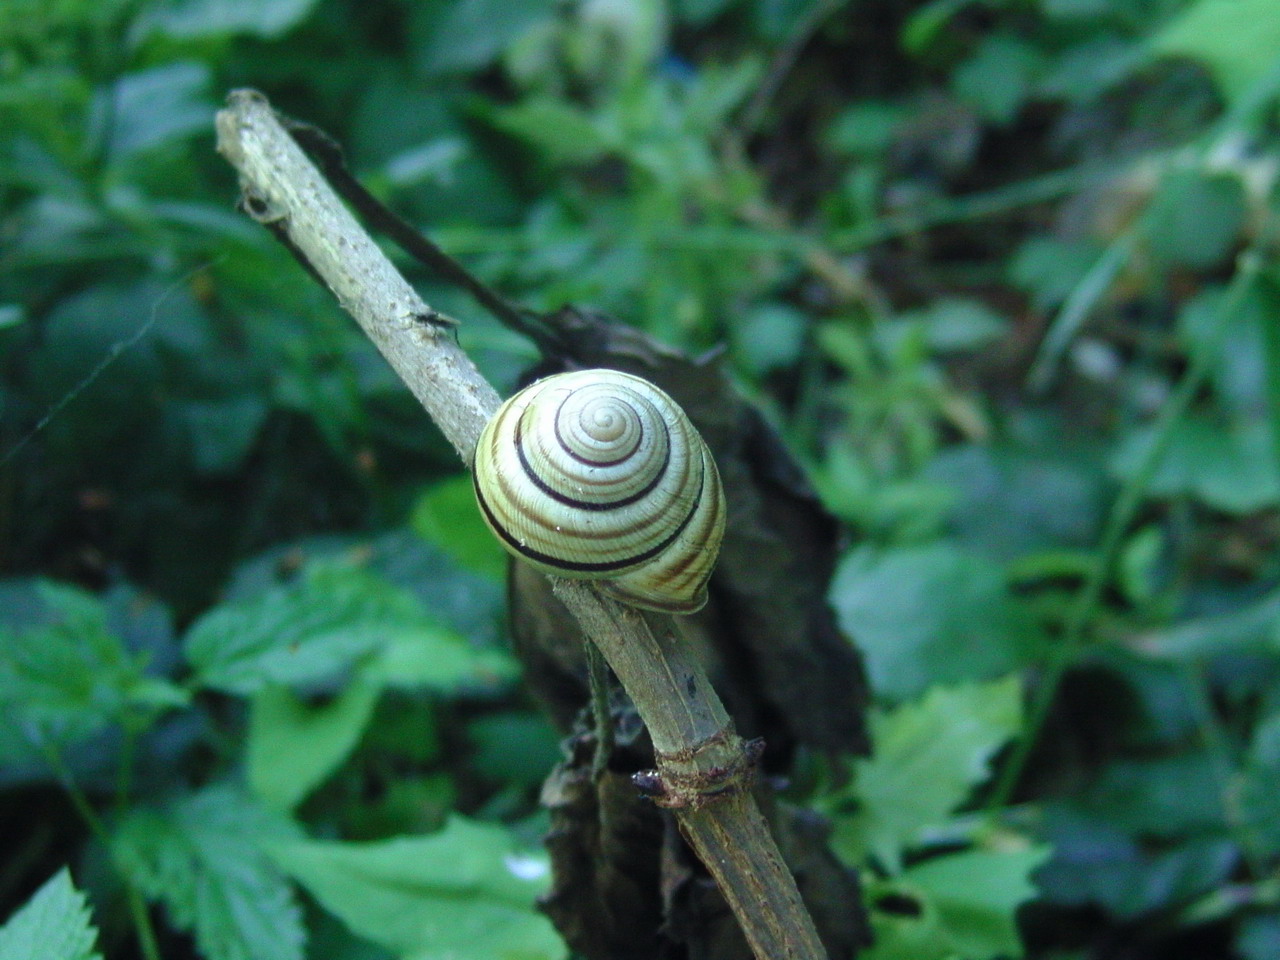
(142, 923)
(137, 904)
(1080, 305)
(1218, 747)
(1088, 600)
(695, 743)
(691, 732)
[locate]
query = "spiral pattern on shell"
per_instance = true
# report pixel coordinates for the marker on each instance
(599, 475)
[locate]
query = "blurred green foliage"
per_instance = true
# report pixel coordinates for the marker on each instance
(1002, 272)
(55, 924)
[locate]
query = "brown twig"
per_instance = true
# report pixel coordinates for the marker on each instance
(704, 768)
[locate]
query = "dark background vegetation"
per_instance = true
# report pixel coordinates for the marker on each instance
(1002, 273)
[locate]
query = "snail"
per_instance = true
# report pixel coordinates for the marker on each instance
(599, 475)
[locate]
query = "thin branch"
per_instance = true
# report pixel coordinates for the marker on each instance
(327, 154)
(704, 768)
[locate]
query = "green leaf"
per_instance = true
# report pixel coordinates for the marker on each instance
(949, 326)
(446, 514)
(1050, 269)
(462, 893)
(1012, 499)
(1241, 369)
(999, 76)
(911, 930)
(1259, 798)
(955, 324)
(202, 857)
(198, 19)
(1229, 467)
(769, 337)
(866, 128)
(1237, 40)
(1254, 624)
(927, 22)
(311, 631)
(929, 755)
(1196, 218)
(436, 658)
(514, 748)
(1084, 297)
(220, 433)
(926, 615)
(11, 314)
(1091, 67)
(1096, 863)
(1259, 937)
(54, 924)
(1269, 358)
(466, 36)
(1162, 797)
(700, 12)
(293, 746)
(1137, 569)
(157, 106)
(68, 678)
(968, 904)
(558, 129)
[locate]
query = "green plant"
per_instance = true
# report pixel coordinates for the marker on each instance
(1003, 275)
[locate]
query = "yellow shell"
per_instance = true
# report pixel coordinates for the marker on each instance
(599, 475)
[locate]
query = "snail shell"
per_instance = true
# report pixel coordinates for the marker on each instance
(599, 475)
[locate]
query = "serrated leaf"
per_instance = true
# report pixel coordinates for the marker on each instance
(911, 931)
(202, 857)
(928, 757)
(54, 924)
(311, 631)
(975, 895)
(69, 676)
(462, 893)
(293, 746)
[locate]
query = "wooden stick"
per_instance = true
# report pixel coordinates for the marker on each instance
(704, 769)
